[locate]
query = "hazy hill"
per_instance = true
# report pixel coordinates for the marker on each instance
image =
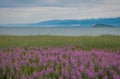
(83, 23)
(115, 22)
(102, 25)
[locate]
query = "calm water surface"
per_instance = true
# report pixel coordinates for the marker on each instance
(76, 31)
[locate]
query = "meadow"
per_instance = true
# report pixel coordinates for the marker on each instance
(108, 42)
(60, 57)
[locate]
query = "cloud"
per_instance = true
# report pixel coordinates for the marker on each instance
(28, 3)
(54, 3)
(30, 11)
(37, 14)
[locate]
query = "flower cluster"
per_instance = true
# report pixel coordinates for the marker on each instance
(59, 63)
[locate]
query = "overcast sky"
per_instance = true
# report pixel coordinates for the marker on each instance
(33, 11)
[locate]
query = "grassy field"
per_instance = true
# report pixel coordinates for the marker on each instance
(107, 42)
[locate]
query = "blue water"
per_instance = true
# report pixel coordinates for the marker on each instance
(73, 31)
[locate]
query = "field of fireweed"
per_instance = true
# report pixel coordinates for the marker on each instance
(59, 57)
(59, 63)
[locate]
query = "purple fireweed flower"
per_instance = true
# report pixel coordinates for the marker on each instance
(50, 70)
(18, 76)
(66, 74)
(73, 77)
(116, 76)
(111, 71)
(35, 75)
(64, 62)
(91, 74)
(82, 68)
(60, 78)
(105, 77)
(42, 73)
(11, 72)
(100, 73)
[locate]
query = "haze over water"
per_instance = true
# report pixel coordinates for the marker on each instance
(61, 31)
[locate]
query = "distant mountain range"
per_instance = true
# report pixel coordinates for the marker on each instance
(100, 22)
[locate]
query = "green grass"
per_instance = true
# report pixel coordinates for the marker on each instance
(107, 42)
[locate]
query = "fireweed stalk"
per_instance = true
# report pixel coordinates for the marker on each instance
(59, 63)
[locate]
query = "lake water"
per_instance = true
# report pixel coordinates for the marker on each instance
(73, 31)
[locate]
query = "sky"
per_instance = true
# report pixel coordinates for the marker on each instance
(34, 11)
